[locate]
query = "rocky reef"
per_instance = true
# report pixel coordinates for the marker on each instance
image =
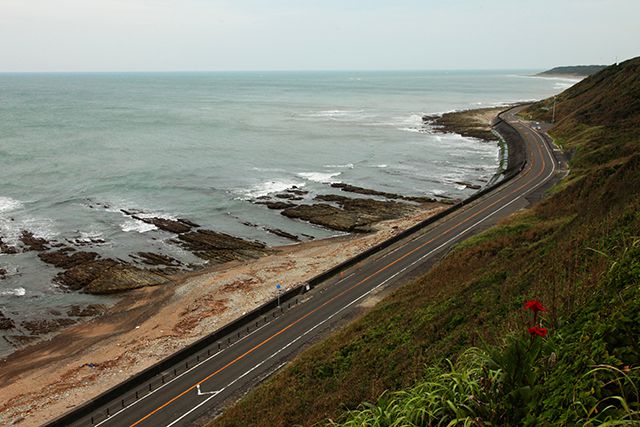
(82, 268)
(469, 123)
(220, 247)
(348, 215)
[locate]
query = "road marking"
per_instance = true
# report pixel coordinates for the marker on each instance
(203, 393)
(281, 349)
(370, 276)
(184, 373)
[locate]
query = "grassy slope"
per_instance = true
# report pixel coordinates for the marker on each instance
(552, 252)
(579, 70)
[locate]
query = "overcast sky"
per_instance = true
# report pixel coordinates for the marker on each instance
(198, 35)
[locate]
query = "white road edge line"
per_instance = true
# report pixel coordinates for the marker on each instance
(371, 290)
(283, 348)
(194, 367)
(109, 418)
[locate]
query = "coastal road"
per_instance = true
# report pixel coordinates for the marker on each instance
(228, 369)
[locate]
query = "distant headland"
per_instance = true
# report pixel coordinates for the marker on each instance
(572, 71)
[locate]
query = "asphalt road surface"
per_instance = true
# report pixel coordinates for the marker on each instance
(226, 370)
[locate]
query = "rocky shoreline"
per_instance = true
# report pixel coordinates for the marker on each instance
(83, 270)
(170, 304)
(474, 123)
(86, 271)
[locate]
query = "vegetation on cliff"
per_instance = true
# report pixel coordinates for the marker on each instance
(573, 70)
(577, 251)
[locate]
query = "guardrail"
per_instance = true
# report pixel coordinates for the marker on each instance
(172, 366)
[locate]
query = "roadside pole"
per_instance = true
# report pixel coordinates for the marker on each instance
(279, 288)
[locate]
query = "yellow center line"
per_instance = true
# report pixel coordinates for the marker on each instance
(292, 324)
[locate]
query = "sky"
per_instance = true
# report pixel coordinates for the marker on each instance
(219, 35)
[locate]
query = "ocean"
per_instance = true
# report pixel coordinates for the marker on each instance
(77, 148)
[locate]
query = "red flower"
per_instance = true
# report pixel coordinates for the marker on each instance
(534, 305)
(536, 330)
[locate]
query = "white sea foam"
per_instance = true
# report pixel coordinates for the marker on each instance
(410, 123)
(335, 113)
(11, 228)
(382, 166)
(124, 205)
(269, 187)
(408, 129)
(136, 225)
(18, 292)
(562, 86)
(322, 177)
(345, 166)
(162, 215)
(340, 115)
(7, 204)
(87, 237)
(258, 169)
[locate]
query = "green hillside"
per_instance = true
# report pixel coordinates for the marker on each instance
(573, 70)
(453, 345)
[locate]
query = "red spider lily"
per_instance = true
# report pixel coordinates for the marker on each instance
(536, 330)
(534, 305)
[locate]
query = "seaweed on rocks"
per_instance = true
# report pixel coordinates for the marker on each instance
(151, 258)
(6, 322)
(220, 247)
(106, 276)
(90, 310)
(34, 243)
(276, 205)
(176, 226)
(67, 257)
(6, 249)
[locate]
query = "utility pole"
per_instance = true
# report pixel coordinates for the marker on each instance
(553, 114)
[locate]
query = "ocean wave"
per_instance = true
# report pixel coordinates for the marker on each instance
(321, 177)
(562, 86)
(382, 166)
(411, 123)
(137, 226)
(11, 228)
(18, 292)
(269, 187)
(124, 205)
(258, 169)
(93, 238)
(345, 166)
(335, 113)
(413, 130)
(7, 204)
(345, 116)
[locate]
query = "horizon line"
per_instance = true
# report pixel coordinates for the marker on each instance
(292, 70)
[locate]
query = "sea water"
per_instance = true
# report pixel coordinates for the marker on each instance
(77, 148)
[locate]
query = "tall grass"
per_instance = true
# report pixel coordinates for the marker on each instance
(458, 394)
